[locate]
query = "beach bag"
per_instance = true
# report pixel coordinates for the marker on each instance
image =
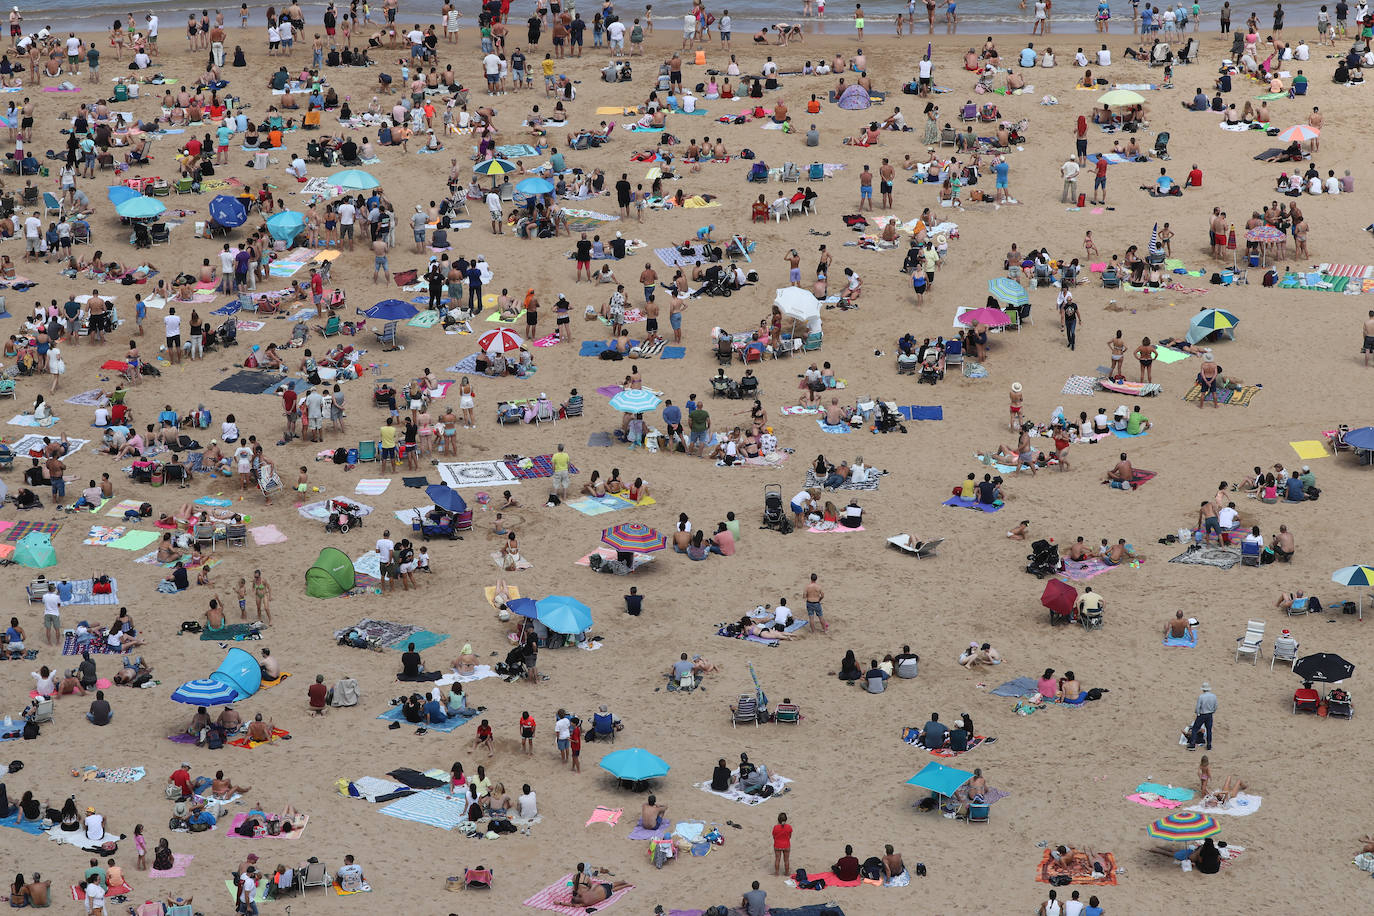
(214, 739)
(273, 826)
(340, 455)
(173, 791)
(101, 586)
(191, 626)
(1095, 693)
(145, 510)
(30, 730)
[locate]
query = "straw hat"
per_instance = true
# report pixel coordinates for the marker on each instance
(1016, 386)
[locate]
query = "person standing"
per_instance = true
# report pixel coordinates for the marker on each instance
(1069, 170)
(1204, 711)
(561, 462)
(865, 188)
(782, 845)
(813, 595)
(1069, 312)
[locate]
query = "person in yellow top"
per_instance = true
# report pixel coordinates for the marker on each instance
(388, 442)
(547, 65)
(966, 490)
(562, 463)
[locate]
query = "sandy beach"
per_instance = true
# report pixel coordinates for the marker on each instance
(1066, 771)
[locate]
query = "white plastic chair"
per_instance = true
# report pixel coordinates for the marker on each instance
(1284, 652)
(1251, 643)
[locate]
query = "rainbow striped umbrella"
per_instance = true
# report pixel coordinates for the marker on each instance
(634, 536)
(1184, 827)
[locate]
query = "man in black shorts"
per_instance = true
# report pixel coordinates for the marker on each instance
(172, 323)
(1368, 348)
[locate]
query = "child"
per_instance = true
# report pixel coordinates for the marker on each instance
(241, 590)
(1088, 245)
(303, 481)
(422, 560)
(636, 431)
(140, 312)
(498, 527)
(508, 501)
(483, 739)
(141, 845)
(1019, 532)
(203, 576)
(457, 782)
(1204, 774)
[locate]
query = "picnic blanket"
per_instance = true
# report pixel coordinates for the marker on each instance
(917, 412)
(604, 815)
(837, 428)
(1210, 555)
(557, 898)
(395, 714)
(434, 807)
(813, 481)
(909, 736)
(1083, 570)
(1182, 642)
(22, 528)
(231, 632)
(598, 505)
(1104, 876)
(735, 794)
(95, 647)
(1019, 687)
(248, 744)
(540, 466)
(460, 474)
(1152, 801)
(180, 862)
(1231, 396)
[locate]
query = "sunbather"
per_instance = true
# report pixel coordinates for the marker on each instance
(1232, 787)
(595, 893)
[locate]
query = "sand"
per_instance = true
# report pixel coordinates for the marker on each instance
(1066, 770)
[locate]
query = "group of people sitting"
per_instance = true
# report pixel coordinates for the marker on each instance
(903, 664)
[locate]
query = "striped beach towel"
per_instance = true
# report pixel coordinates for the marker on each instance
(1358, 271)
(432, 807)
(556, 897)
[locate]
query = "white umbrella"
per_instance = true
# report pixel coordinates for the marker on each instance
(797, 303)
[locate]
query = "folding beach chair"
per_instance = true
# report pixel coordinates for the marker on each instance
(1252, 642)
(746, 710)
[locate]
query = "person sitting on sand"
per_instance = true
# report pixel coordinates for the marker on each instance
(651, 814)
(1069, 690)
(1070, 860)
(466, 662)
(1122, 474)
(1179, 627)
(1206, 858)
(977, 654)
(258, 730)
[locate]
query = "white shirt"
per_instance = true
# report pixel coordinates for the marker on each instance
(1073, 907)
(493, 202)
(1301, 53)
(172, 324)
(347, 212)
(1226, 517)
(73, 46)
(1253, 539)
(1315, 185)
(102, 416)
(273, 34)
(616, 30)
(1080, 59)
(288, 31)
(689, 24)
(229, 432)
(384, 547)
(725, 25)
(491, 64)
(152, 26)
(226, 265)
(95, 826)
(95, 897)
(770, 68)
(1104, 58)
(781, 615)
(141, 60)
(562, 729)
(246, 887)
(416, 37)
(52, 603)
(526, 806)
(1053, 908)
(1069, 170)
(32, 227)
(1333, 185)
(924, 68)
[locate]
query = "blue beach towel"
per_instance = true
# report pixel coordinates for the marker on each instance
(916, 412)
(960, 503)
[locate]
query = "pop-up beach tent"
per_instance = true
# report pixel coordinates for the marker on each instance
(331, 576)
(35, 551)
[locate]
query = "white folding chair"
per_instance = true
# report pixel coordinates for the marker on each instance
(1251, 643)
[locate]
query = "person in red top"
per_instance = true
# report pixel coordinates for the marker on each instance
(575, 745)
(319, 696)
(181, 778)
(1080, 139)
(288, 403)
(527, 733)
(1100, 180)
(317, 287)
(782, 845)
(193, 148)
(1195, 177)
(484, 738)
(119, 414)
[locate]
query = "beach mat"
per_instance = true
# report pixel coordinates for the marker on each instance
(394, 714)
(959, 502)
(1209, 555)
(246, 381)
(1020, 687)
(555, 898)
(1235, 398)
(916, 412)
(1309, 449)
(1049, 868)
(430, 807)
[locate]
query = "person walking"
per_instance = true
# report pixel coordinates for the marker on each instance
(1203, 711)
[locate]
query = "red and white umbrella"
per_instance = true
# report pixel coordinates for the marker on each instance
(501, 340)
(1300, 132)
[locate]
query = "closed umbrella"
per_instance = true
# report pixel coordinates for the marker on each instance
(993, 318)
(797, 303)
(634, 536)
(535, 185)
(501, 340)
(354, 180)
(390, 310)
(121, 192)
(1231, 244)
(286, 225)
(634, 764)
(1121, 97)
(141, 207)
(1207, 321)
(445, 498)
(1184, 827)
(206, 692)
(563, 614)
(1326, 667)
(1007, 290)
(635, 400)
(228, 211)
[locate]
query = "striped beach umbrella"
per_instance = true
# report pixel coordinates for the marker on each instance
(1300, 132)
(1184, 827)
(1007, 290)
(205, 692)
(635, 400)
(1214, 320)
(1357, 576)
(494, 168)
(634, 536)
(1154, 239)
(503, 340)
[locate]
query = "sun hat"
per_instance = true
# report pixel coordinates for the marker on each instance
(1206, 686)
(1016, 386)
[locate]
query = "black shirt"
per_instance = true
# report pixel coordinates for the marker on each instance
(622, 192)
(1209, 860)
(584, 247)
(410, 663)
(87, 669)
(633, 604)
(987, 493)
(100, 712)
(720, 779)
(618, 248)
(180, 579)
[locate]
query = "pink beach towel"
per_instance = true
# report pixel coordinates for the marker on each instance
(557, 896)
(604, 815)
(180, 861)
(1153, 802)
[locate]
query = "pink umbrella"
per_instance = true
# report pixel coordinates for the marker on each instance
(502, 340)
(1300, 132)
(993, 318)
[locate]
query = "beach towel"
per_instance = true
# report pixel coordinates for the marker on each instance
(277, 733)
(372, 486)
(1152, 801)
(1182, 642)
(1171, 793)
(1106, 876)
(673, 353)
(917, 412)
(460, 474)
(230, 632)
(838, 428)
(813, 481)
(1020, 687)
(1083, 570)
(15, 821)
(136, 540)
(1235, 398)
(22, 528)
(394, 714)
(1238, 806)
(735, 794)
(92, 398)
(96, 646)
(259, 895)
(641, 832)
(79, 893)
(603, 815)
(1309, 449)
(180, 862)
(960, 503)
(596, 505)
(433, 807)
(24, 419)
(557, 898)
(1210, 555)
(264, 535)
(1122, 434)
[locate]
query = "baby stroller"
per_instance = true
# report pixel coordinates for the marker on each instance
(342, 516)
(441, 525)
(1043, 560)
(932, 367)
(228, 333)
(774, 516)
(888, 418)
(715, 284)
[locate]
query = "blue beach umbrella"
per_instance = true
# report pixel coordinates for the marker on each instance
(286, 225)
(535, 186)
(141, 207)
(634, 400)
(354, 180)
(121, 192)
(563, 614)
(940, 779)
(1361, 438)
(525, 607)
(391, 310)
(228, 211)
(1008, 290)
(205, 692)
(445, 498)
(634, 764)
(1357, 576)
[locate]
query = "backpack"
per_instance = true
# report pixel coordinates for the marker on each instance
(30, 730)
(340, 455)
(145, 510)
(191, 626)
(214, 739)
(1096, 693)
(746, 153)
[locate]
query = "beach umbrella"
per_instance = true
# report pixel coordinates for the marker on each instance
(993, 318)
(502, 340)
(1008, 290)
(391, 310)
(1357, 576)
(563, 614)
(1361, 438)
(535, 185)
(634, 764)
(121, 192)
(797, 303)
(35, 551)
(494, 168)
(1154, 239)
(1326, 667)
(354, 180)
(939, 779)
(525, 607)
(1300, 132)
(140, 207)
(228, 211)
(206, 692)
(7, 121)
(1060, 597)
(1209, 320)
(1121, 97)
(445, 499)
(634, 536)
(286, 225)
(1265, 236)
(635, 400)
(1184, 827)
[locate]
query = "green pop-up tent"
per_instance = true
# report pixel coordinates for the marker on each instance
(331, 576)
(35, 551)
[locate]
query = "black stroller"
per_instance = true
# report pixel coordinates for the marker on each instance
(774, 513)
(888, 419)
(715, 283)
(227, 335)
(1043, 560)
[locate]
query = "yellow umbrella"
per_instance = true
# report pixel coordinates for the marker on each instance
(1121, 97)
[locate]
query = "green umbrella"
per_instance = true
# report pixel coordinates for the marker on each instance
(35, 551)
